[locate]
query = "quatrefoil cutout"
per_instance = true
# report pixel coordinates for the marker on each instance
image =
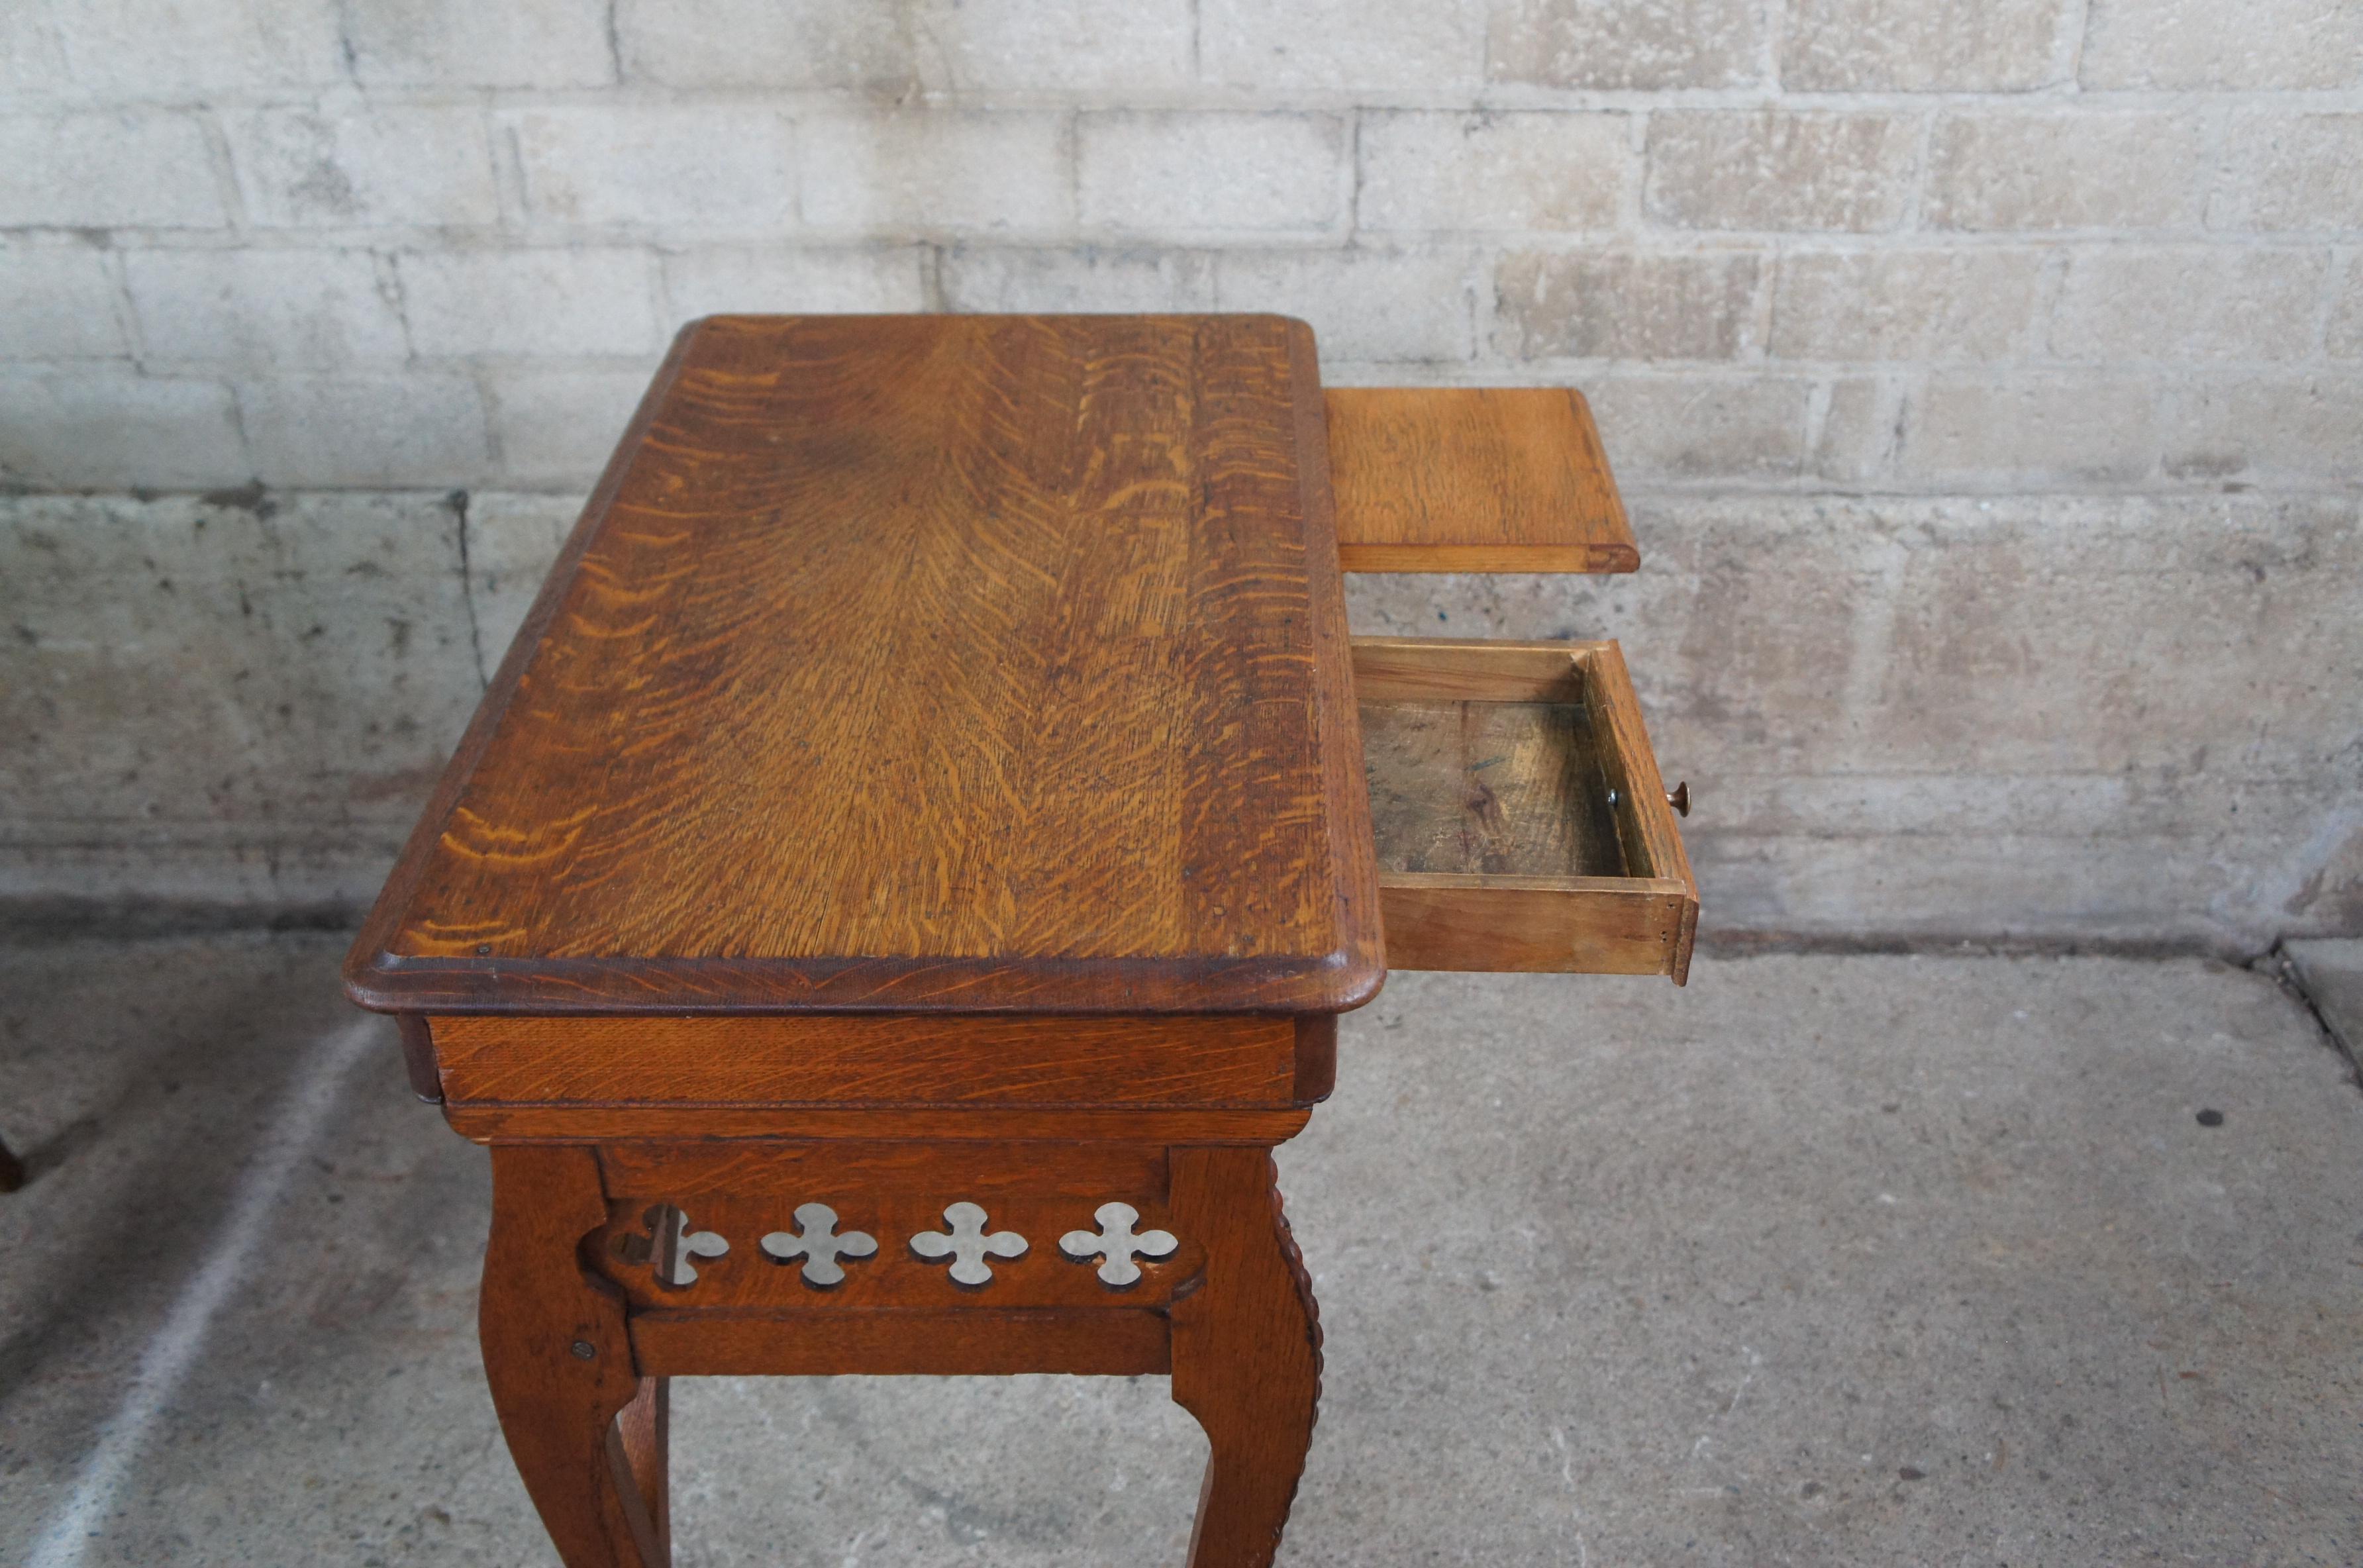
(820, 1246)
(1117, 1243)
(968, 1246)
(670, 1245)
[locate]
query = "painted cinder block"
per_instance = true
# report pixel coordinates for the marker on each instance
(1601, 305)
(2289, 428)
(2189, 302)
(2344, 335)
(32, 61)
(62, 303)
(2292, 172)
(424, 165)
(2203, 44)
(1925, 305)
(869, 173)
(106, 427)
(550, 301)
(422, 430)
(1909, 46)
(262, 310)
(783, 45)
(1085, 278)
(1506, 173)
(1773, 169)
(2054, 170)
(1636, 45)
(225, 677)
(136, 48)
(1392, 305)
(665, 168)
(1702, 427)
(1854, 444)
(1104, 47)
(556, 428)
(924, 45)
(1973, 428)
(464, 43)
(1341, 46)
(1189, 173)
(132, 167)
(724, 280)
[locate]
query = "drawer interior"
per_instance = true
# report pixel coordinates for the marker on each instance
(1520, 821)
(1472, 784)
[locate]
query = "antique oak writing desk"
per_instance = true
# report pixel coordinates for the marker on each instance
(903, 880)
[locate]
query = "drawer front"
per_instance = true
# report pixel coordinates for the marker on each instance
(1520, 819)
(1473, 479)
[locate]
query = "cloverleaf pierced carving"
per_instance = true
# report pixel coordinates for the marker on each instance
(1118, 1245)
(967, 1246)
(819, 1246)
(669, 1246)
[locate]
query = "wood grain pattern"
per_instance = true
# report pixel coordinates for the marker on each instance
(1460, 669)
(644, 1428)
(558, 1406)
(1473, 479)
(922, 663)
(1653, 844)
(496, 1122)
(1539, 925)
(418, 1056)
(1507, 789)
(938, 1059)
(1247, 1353)
(783, 1168)
(1557, 854)
(975, 1341)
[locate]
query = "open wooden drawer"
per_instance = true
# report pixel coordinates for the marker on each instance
(1520, 819)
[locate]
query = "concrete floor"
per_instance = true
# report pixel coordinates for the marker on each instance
(1825, 1259)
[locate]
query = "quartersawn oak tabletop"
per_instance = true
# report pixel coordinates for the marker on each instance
(921, 663)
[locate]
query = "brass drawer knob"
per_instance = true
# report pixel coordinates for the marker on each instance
(1679, 797)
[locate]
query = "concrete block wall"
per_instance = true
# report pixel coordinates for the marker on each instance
(1876, 244)
(1832, 272)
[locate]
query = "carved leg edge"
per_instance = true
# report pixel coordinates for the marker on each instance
(1247, 1353)
(587, 1431)
(644, 1428)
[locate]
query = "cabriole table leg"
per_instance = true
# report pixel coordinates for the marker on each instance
(1247, 1353)
(560, 1363)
